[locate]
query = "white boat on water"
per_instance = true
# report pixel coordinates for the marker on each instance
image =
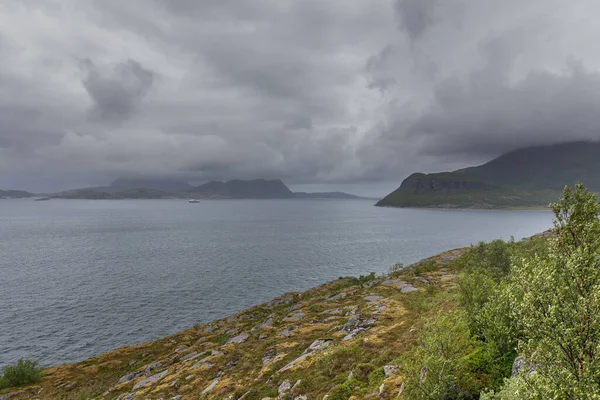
(193, 201)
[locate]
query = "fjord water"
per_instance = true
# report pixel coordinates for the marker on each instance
(82, 277)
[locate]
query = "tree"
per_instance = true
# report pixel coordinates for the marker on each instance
(555, 301)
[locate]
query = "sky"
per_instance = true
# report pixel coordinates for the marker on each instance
(349, 95)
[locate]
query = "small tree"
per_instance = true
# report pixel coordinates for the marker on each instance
(556, 303)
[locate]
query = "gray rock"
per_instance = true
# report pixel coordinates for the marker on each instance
(408, 289)
(267, 323)
(295, 316)
(268, 356)
(285, 387)
(333, 311)
(178, 397)
(390, 282)
(353, 311)
(127, 396)
(211, 386)
(241, 338)
(151, 367)
(353, 334)
(390, 370)
(373, 299)
(352, 324)
(317, 345)
(181, 348)
(301, 397)
(447, 277)
(129, 377)
(288, 331)
(150, 380)
(338, 296)
(263, 336)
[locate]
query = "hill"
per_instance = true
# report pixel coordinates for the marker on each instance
(15, 194)
(326, 195)
(163, 185)
(239, 189)
(529, 177)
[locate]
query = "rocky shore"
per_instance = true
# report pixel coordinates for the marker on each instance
(298, 346)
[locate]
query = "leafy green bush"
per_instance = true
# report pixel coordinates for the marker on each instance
(340, 392)
(440, 367)
(23, 373)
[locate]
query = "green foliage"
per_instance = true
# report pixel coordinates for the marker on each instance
(362, 371)
(556, 302)
(493, 258)
(23, 373)
(424, 267)
(340, 392)
(354, 281)
(440, 366)
(376, 377)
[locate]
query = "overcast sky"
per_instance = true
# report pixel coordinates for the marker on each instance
(324, 94)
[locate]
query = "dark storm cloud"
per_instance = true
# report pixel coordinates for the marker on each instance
(116, 95)
(310, 91)
(415, 16)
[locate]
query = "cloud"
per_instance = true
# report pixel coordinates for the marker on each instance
(117, 95)
(336, 92)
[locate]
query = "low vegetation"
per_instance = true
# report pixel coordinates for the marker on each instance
(22, 373)
(498, 321)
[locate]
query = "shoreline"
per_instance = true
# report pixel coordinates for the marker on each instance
(288, 325)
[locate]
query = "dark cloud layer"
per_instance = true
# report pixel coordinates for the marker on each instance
(343, 92)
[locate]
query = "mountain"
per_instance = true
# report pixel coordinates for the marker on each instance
(238, 189)
(528, 177)
(15, 194)
(325, 195)
(99, 194)
(163, 185)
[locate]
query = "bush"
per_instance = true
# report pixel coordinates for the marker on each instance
(376, 377)
(440, 366)
(23, 373)
(340, 392)
(362, 371)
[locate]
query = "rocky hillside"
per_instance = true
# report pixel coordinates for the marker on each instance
(529, 177)
(298, 346)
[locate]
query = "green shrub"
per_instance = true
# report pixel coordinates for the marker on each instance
(376, 377)
(23, 373)
(362, 371)
(340, 392)
(439, 366)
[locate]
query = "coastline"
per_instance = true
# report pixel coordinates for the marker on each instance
(261, 347)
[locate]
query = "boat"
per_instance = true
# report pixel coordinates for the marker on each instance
(193, 201)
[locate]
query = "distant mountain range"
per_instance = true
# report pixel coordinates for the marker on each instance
(125, 188)
(15, 194)
(528, 177)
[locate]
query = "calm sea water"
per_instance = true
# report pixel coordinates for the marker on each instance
(81, 277)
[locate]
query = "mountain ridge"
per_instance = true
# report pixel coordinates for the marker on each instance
(527, 177)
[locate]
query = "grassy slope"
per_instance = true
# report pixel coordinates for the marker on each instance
(240, 365)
